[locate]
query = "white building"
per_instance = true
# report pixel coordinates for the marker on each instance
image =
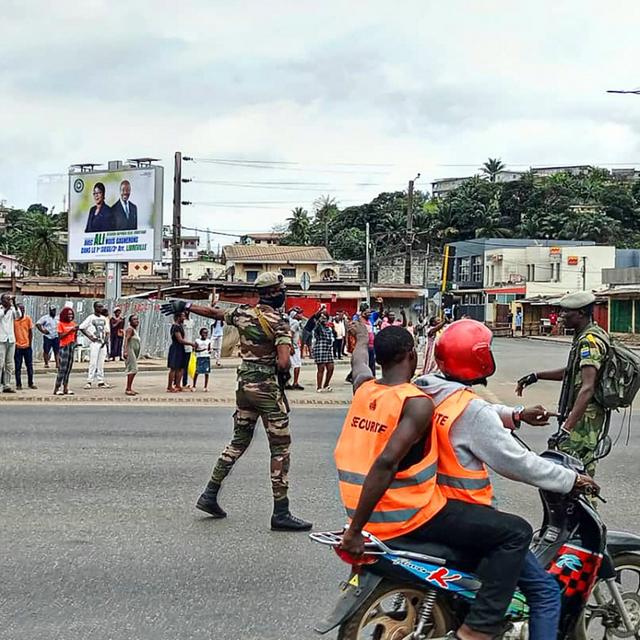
(9, 265)
(526, 272)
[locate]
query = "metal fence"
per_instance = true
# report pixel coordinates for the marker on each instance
(154, 327)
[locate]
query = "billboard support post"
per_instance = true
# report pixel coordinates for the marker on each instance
(176, 240)
(113, 283)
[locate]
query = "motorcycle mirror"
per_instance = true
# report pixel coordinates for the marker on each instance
(603, 449)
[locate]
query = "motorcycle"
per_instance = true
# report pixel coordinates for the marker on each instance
(401, 590)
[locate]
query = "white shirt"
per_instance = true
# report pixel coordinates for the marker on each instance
(7, 316)
(217, 329)
(125, 207)
(203, 348)
(188, 334)
(95, 326)
(339, 328)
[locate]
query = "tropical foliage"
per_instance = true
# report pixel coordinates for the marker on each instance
(33, 236)
(589, 206)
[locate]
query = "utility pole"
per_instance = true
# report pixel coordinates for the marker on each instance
(367, 265)
(176, 240)
(409, 241)
(326, 231)
(584, 272)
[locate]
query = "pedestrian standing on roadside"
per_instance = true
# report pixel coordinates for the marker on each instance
(295, 324)
(67, 331)
(323, 353)
(176, 358)
(23, 329)
(131, 352)
(188, 326)
(217, 333)
(519, 322)
(116, 326)
(9, 312)
(340, 330)
(96, 328)
(48, 327)
(265, 347)
(433, 330)
(203, 358)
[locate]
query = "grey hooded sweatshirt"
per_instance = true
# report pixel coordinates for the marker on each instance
(479, 435)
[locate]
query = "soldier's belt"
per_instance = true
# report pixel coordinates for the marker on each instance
(256, 366)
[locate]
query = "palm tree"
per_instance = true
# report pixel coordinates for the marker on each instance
(39, 248)
(492, 167)
(299, 226)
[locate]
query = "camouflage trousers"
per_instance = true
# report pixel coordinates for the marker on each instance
(259, 396)
(584, 437)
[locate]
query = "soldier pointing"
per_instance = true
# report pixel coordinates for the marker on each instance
(265, 348)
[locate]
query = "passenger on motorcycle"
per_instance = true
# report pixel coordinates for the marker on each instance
(467, 432)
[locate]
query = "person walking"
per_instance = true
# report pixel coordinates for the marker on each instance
(583, 420)
(340, 330)
(9, 313)
(23, 329)
(265, 347)
(217, 334)
(518, 322)
(116, 332)
(323, 353)
(48, 327)
(96, 328)
(67, 331)
(176, 358)
(131, 352)
(432, 331)
(203, 358)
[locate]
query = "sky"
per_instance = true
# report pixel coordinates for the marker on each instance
(359, 97)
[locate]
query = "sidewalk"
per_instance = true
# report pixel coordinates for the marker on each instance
(566, 341)
(151, 384)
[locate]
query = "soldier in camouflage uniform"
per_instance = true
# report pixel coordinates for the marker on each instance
(582, 418)
(265, 348)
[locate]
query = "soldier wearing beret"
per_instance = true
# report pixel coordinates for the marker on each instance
(582, 418)
(265, 348)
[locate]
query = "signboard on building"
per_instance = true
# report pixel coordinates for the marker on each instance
(115, 216)
(572, 261)
(555, 254)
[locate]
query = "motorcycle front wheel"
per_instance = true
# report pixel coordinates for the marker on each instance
(391, 612)
(601, 619)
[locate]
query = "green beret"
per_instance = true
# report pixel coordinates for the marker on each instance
(268, 279)
(577, 300)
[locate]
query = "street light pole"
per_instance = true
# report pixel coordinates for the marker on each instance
(367, 265)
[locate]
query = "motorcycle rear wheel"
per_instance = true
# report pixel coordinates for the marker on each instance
(391, 613)
(592, 627)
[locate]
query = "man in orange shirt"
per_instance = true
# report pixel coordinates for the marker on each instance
(23, 328)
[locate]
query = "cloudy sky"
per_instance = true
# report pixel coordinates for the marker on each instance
(359, 96)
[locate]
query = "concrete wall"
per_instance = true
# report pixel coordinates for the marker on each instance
(391, 270)
(242, 268)
(630, 275)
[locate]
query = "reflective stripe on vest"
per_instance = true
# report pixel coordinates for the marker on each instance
(413, 497)
(455, 481)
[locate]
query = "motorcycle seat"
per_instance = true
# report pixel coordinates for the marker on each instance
(452, 556)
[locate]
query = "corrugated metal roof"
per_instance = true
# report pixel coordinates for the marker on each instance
(275, 253)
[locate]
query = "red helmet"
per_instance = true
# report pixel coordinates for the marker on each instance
(463, 351)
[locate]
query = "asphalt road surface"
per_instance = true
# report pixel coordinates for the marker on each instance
(99, 538)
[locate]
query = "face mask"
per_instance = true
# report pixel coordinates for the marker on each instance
(276, 301)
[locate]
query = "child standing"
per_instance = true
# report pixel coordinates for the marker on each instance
(203, 358)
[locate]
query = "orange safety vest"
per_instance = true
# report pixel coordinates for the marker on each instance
(455, 481)
(413, 496)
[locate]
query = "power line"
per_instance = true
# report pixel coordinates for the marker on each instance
(243, 161)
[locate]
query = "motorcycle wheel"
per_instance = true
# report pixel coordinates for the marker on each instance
(391, 613)
(595, 627)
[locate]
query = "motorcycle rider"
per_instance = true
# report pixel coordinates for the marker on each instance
(469, 432)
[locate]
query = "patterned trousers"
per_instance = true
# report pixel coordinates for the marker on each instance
(259, 399)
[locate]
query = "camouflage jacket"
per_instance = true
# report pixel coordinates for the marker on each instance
(588, 349)
(257, 345)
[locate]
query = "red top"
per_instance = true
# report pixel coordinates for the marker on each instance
(63, 327)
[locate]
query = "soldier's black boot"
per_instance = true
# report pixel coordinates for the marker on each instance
(283, 520)
(208, 501)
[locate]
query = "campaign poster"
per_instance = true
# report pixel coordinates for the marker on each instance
(115, 216)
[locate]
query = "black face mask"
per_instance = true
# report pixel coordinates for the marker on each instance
(276, 301)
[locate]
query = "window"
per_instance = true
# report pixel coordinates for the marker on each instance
(476, 268)
(464, 270)
(251, 276)
(288, 273)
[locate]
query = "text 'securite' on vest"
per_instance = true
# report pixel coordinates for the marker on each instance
(413, 497)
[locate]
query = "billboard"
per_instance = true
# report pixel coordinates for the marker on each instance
(115, 216)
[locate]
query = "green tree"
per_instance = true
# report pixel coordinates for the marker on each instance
(299, 227)
(492, 167)
(39, 249)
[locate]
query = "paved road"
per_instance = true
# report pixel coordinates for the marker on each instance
(100, 540)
